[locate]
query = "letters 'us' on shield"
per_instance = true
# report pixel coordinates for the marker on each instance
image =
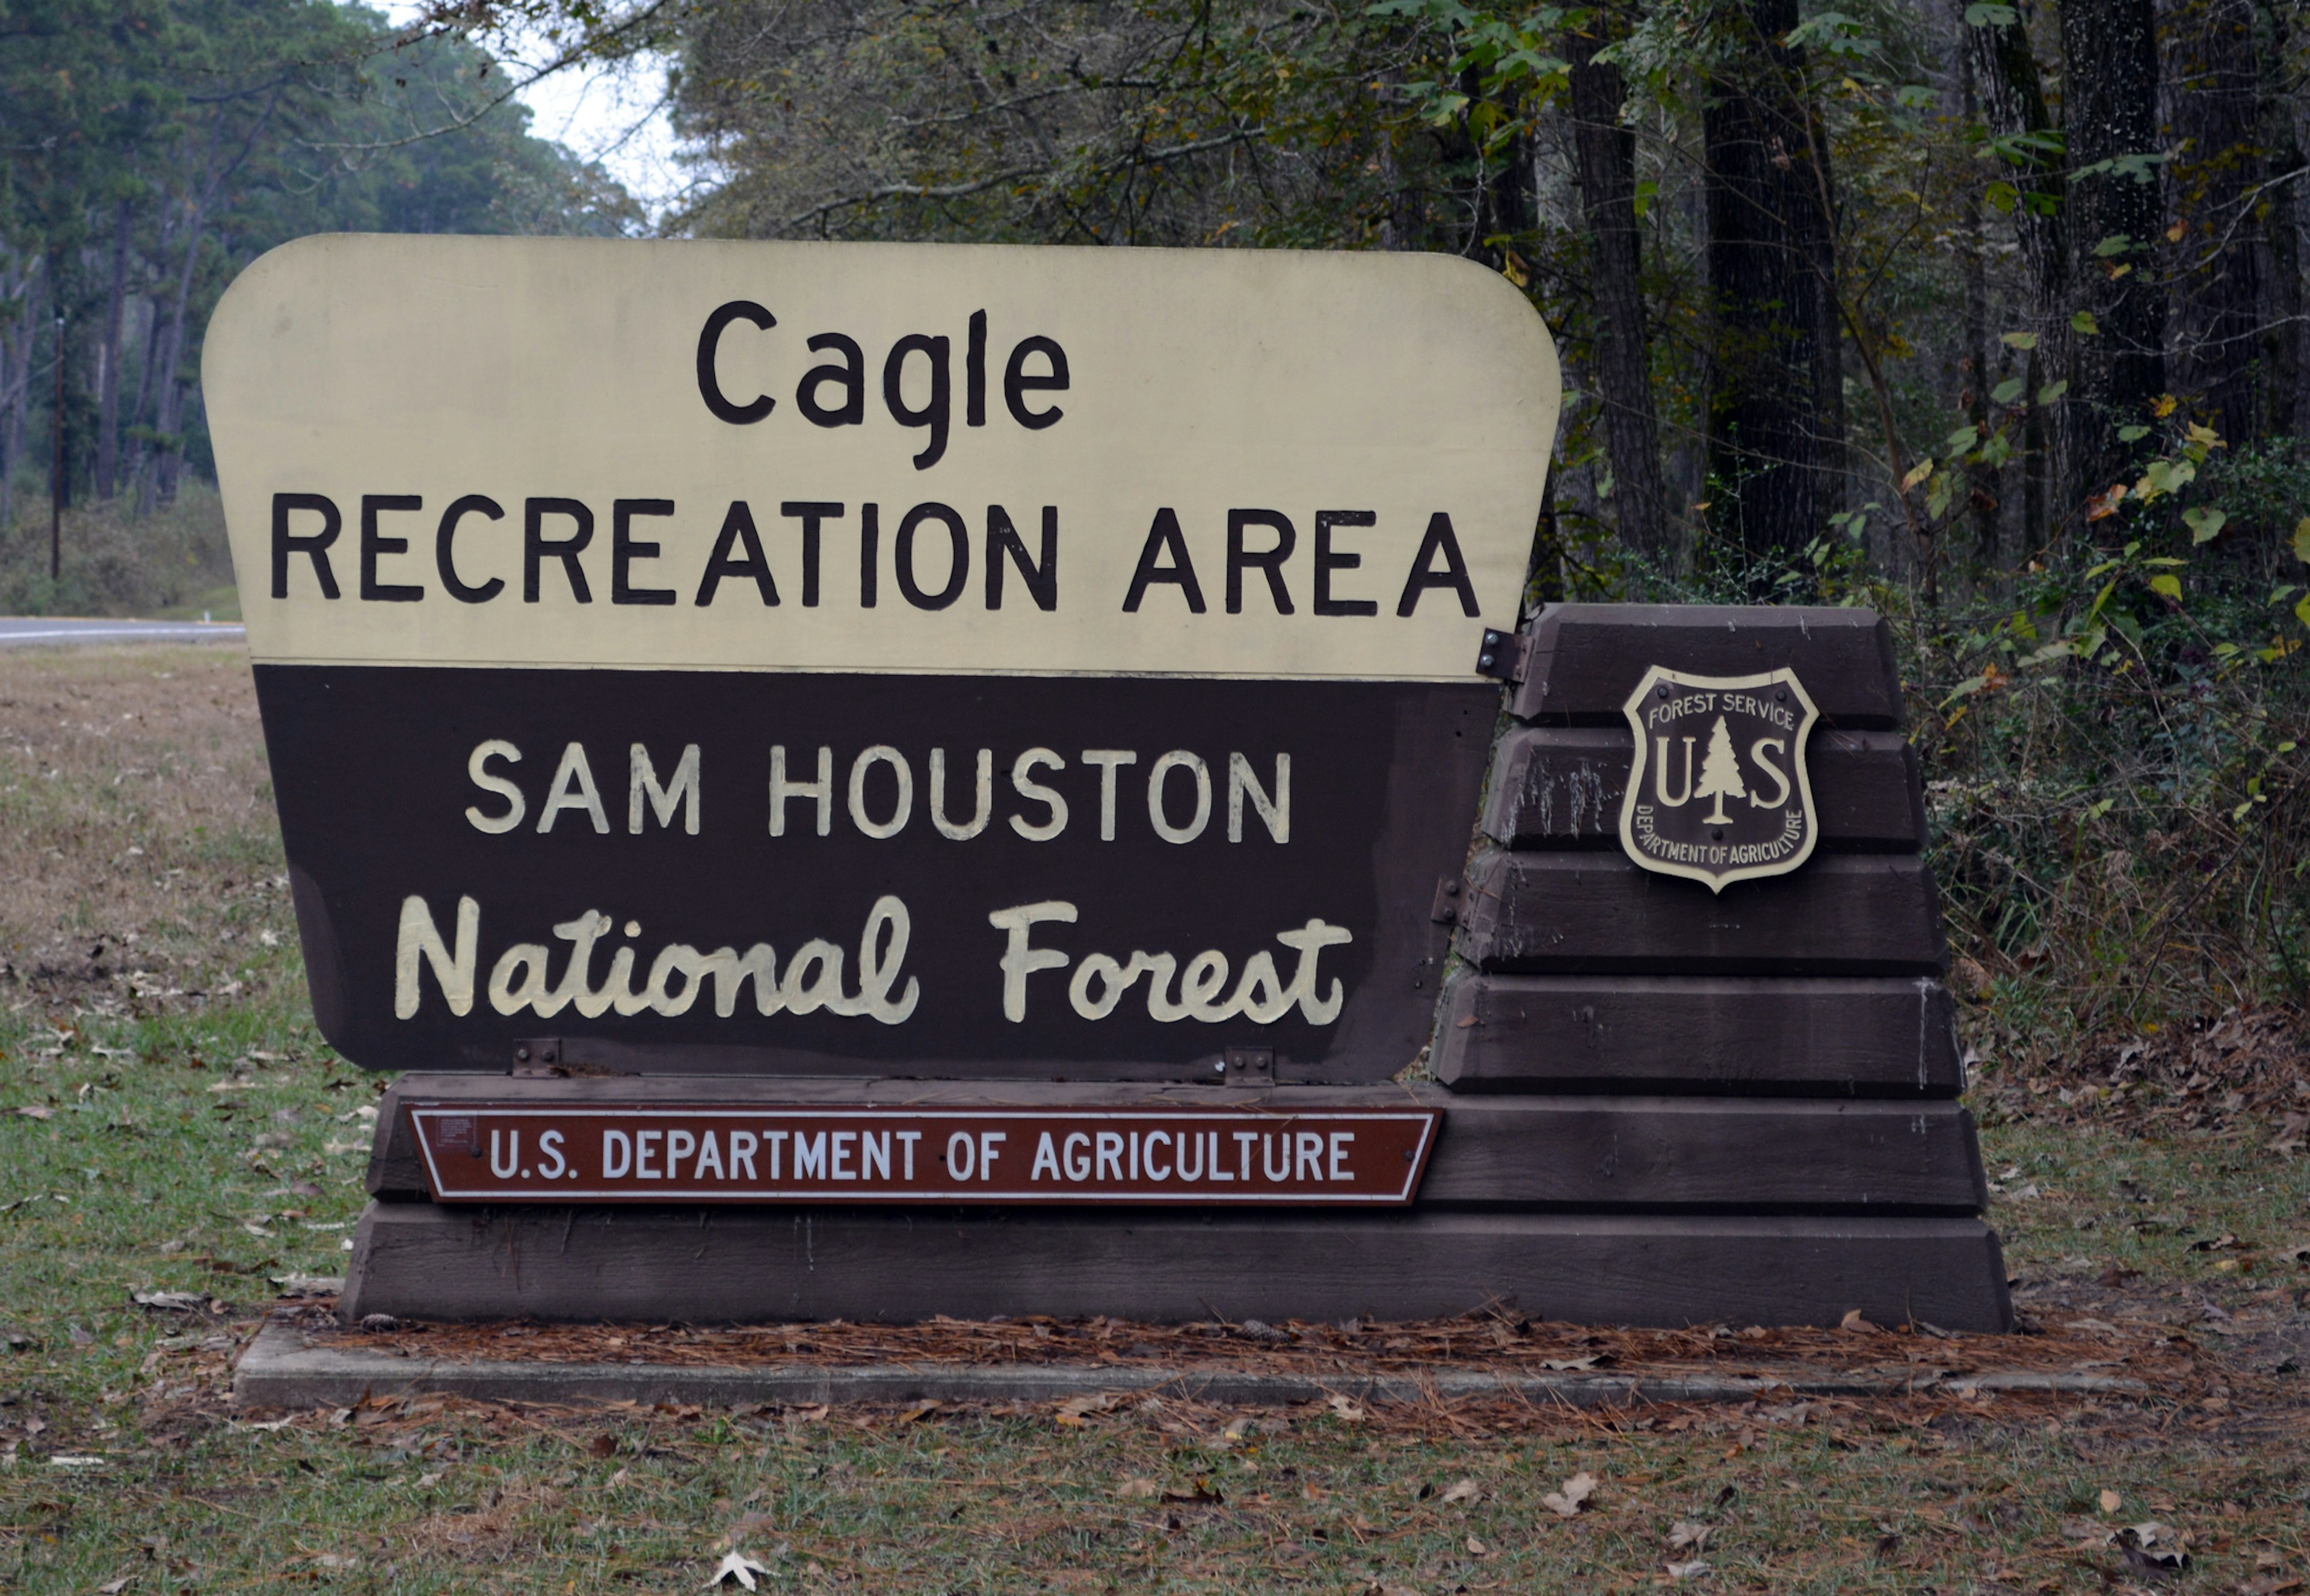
(1718, 792)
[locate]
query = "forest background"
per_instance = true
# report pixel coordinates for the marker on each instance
(1988, 316)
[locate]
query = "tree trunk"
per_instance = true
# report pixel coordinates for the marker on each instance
(168, 447)
(1767, 234)
(16, 386)
(2110, 113)
(1606, 155)
(107, 361)
(1984, 489)
(2281, 137)
(2013, 104)
(2213, 113)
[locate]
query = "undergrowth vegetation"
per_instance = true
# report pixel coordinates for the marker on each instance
(115, 563)
(2112, 738)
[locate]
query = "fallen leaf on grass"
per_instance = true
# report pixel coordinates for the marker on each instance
(2110, 1501)
(1138, 1490)
(114, 1587)
(1462, 1490)
(1345, 1409)
(268, 1424)
(1074, 1409)
(1684, 1571)
(1566, 1502)
(1853, 1320)
(917, 1411)
(2092, 1326)
(1202, 1495)
(1687, 1536)
(603, 1445)
(337, 1561)
(1477, 1548)
(736, 1566)
(170, 1302)
(1575, 1365)
(35, 1111)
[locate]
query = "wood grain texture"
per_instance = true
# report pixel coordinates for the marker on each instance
(1519, 1152)
(1593, 912)
(418, 1262)
(1884, 1037)
(1584, 660)
(1561, 787)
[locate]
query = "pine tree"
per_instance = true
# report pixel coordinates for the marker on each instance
(1720, 773)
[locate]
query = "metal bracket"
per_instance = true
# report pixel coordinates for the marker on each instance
(537, 1055)
(1446, 910)
(1501, 656)
(1251, 1066)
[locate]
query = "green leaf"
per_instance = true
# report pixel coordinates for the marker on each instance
(2002, 198)
(1985, 15)
(1960, 440)
(2052, 391)
(2132, 434)
(1964, 689)
(2008, 391)
(2018, 340)
(2170, 586)
(2302, 540)
(2205, 524)
(2083, 322)
(2302, 610)
(2116, 244)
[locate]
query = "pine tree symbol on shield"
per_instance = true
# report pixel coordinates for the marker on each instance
(1755, 816)
(1720, 773)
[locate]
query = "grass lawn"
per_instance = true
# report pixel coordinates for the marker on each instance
(170, 1120)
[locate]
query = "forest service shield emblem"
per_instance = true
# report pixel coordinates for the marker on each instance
(1718, 791)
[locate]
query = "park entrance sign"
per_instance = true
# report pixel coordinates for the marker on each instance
(875, 659)
(876, 781)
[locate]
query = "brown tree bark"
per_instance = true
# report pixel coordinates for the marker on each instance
(1606, 155)
(108, 359)
(2212, 112)
(1767, 236)
(2013, 96)
(2282, 228)
(2110, 113)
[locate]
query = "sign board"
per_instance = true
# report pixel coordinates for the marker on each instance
(511, 1152)
(1742, 807)
(875, 658)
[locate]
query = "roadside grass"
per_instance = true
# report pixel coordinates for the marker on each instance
(169, 1120)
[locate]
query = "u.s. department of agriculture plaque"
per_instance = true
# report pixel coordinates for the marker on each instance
(1718, 792)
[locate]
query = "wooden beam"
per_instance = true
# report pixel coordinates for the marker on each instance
(1884, 1037)
(1583, 661)
(1592, 913)
(1561, 787)
(419, 1261)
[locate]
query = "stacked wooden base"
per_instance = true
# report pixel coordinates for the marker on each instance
(1635, 1208)
(1662, 1106)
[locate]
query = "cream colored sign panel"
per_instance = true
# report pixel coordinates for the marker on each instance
(877, 457)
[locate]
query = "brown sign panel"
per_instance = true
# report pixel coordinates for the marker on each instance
(486, 1152)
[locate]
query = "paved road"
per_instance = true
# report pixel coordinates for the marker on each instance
(27, 631)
